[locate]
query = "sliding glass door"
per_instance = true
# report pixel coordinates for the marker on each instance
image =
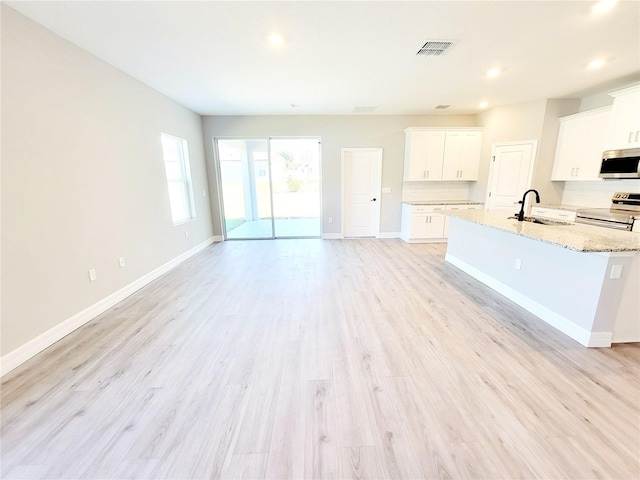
(270, 187)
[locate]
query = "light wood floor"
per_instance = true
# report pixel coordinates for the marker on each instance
(321, 359)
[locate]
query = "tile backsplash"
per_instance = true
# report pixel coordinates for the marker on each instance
(426, 191)
(596, 194)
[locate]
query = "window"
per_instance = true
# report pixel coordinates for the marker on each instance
(176, 165)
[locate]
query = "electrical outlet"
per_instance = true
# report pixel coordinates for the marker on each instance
(186, 234)
(204, 193)
(330, 219)
(616, 272)
(92, 275)
(121, 262)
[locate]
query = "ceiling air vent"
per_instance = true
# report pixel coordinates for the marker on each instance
(435, 48)
(442, 107)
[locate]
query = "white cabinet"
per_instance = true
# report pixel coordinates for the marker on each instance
(624, 131)
(424, 151)
(422, 222)
(461, 155)
(428, 223)
(581, 141)
(437, 154)
(553, 213)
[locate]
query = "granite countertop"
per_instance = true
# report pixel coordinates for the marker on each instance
(442, 202)
(570, 208)
(583, 238)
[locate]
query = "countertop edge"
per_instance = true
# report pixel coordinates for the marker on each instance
(461, 215)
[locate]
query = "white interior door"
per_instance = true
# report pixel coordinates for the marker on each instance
(361, 185)
(510, 174)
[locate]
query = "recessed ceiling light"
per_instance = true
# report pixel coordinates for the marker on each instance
(484, 104)
(494, 72)
(596, 64)
(603, 5)
(276, 39)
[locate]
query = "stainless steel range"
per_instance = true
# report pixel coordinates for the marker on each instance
(625, 208)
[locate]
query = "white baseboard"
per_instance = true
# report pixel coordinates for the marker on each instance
(332, 236)
(389, 235)
(566, 326)
(23, 353)
(217, 238)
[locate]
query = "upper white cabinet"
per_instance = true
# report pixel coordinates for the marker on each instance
(438, 154)
(581, 141)
(624, 131)
(462, 155)
(423, 154)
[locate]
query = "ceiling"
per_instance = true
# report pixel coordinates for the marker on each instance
(215, 57)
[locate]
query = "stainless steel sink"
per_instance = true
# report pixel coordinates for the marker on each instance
(542, 221)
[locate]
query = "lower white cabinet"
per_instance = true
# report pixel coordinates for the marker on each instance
(553, 214)
(427, 223)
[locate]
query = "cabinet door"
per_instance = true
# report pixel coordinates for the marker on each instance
(424, 152)
(435, 156)
(568, 149)
(461, 155)
(418, 225)
(434, 226)
(593, 144)
(415, 156)
(427, 225)
(470, 155)
(581, 142)
(452, 153)
(625, 122)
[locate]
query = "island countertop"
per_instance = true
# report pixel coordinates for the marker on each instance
(583, 238)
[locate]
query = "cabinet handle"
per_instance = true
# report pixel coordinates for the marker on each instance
(572, 171)
(577, 171)
(637, 136)
(630, 135)
(427, 174)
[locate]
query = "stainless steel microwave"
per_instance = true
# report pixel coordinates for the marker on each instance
(620, 163)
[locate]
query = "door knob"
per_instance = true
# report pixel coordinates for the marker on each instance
(373, 199)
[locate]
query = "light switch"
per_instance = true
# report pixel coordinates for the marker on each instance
(518, 264)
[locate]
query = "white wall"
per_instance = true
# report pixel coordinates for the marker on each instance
(83, 180)
(336, 132)
(524, 121)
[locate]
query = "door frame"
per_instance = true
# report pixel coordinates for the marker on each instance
(378, 191)
(534, 152)
(218, 181)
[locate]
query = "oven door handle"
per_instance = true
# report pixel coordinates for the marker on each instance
(600, 223)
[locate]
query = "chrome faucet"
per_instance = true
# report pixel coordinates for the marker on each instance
(520, 214)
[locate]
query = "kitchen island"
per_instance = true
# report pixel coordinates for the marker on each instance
(582, 280)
